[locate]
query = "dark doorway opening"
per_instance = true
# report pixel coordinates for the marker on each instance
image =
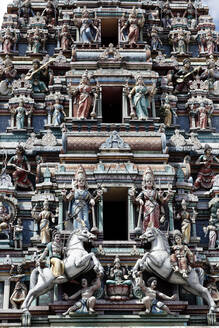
(115, 214)
(112, 104)
(109, 32)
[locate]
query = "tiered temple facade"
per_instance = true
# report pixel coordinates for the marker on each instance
(109, 124)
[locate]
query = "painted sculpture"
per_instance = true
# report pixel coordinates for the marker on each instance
(130, 30)
(186, 221)
(89, 28)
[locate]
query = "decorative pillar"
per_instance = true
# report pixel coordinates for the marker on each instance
(131, 215)
(6, 294)
(124, 104)
(100, 215)
(70, 114)
(171, 218)
(60, 218)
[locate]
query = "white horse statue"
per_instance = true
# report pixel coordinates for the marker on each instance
(77, 261)
(157, 261)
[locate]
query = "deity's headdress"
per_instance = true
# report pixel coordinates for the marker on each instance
(117, 260)
(148, 171)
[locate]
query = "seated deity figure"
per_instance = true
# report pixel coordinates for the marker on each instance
(150, 300)
(40, 76)
(87, 301)
(206, 176)
(5, 218)
(80, 201)
(151, 201)
(130, 30)
(182, 257)
(7, 73)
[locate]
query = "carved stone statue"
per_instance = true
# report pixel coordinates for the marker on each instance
(18, 234)
(206, 176)
(110, 54)
(211, 74)
(21, 112)
(87, 301)
(182, 257)
(50, 13)
(7, 73)
(168, 111)
(5, 217)
(150, 300)
(25, 12)
(80, 200)
(58, 113)
(118, 284)
(45, 218)
(22, 169)
(140, 97)
(66, 39)
(211, 230)
(130, 31)
(151, 201)
(166, 13)
(85, 98)
(20, 290)
(8, 39)
(180, 40)
(89, 28)
(55, 251)
(186, 220)
(156, 43)
(183, 75)
(37, 40)
(40, 76)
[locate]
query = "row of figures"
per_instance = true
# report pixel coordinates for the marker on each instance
(86, 28)
(174, 264)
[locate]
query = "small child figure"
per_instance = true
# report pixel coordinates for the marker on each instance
(182, 256)
(150, 300)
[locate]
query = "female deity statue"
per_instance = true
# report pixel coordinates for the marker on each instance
(187, 220)
(58, 113)
(151, 201)
(49, 13)
(21, 112)
(37, 41)
(8, 40)
(66, 39)
(156, 43)
(89, 31)
(203, 116)
(132, 26)
(166, 15)
(22, 168)
(167, 112)
(140, 99)
(80, 201)
(5, 217)
(85, 97)
(117, 277)
(206, 176)
(212, 230)
(182, 257)
(7, 73)
(40, 76)
(45, 218)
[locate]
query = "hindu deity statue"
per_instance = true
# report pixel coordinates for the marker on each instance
(140, 99)
(85, 98)
(8, 39)
(21, 112)
(65, 38)
(22, 169)
(183, 75)
(166, 15)
(156, 43)
(20, 290)
(131, 29)
(25, 12)
(18, 234)
(50, 13)
(7, 73)
(168, 112)
(182, 257)
(45, 218)
(211, 230)
(5, 217)
(118, 284)
(186, 221)
(205, 178)
(151, 201)
(58, 113)
(80, 200)
(37, 40)
(211, 74)
(89, 29)
(40, 76)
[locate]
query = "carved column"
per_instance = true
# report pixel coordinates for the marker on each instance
(6, 294)
(60, 217)
(125, 114)
(171, 218)
(131, 215)
(100, 215)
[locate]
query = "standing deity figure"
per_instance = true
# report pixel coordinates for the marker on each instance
(85, 98)
(211, 74)
(187, 219)
(182, 257)
(25, 12)
(37, 40)
(55, 251)
(5, 217)
(58, 113)
(140, 99)
(168, 111)
(211, 230)
(156, 43)
(206, 175)
(203, 112)
(89, 29)
(150, 300)
(131, 28)
(66, 39)
(22, 169)
(190, 14)
(183, 75)
(151, 201)
(20, 290)
(21, 112)
(8, 40)
(80, 201)
(18, 234)
(166, 15)
(45, 218)
(7, 74)
(87, 301)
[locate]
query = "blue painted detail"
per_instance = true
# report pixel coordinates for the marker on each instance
(215, 122)
(194, 50)
(38, 122)
(4, 123)
(50, 48)
(22, 48)
(183, 122)
(28, 231)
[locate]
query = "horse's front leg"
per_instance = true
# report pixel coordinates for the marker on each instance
(97, 266)
(81, 261)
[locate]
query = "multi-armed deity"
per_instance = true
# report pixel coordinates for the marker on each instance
(187, 220)
(130, 29)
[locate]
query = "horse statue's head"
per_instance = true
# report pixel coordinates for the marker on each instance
(80, 236)
(149, 235)
(158, 237)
